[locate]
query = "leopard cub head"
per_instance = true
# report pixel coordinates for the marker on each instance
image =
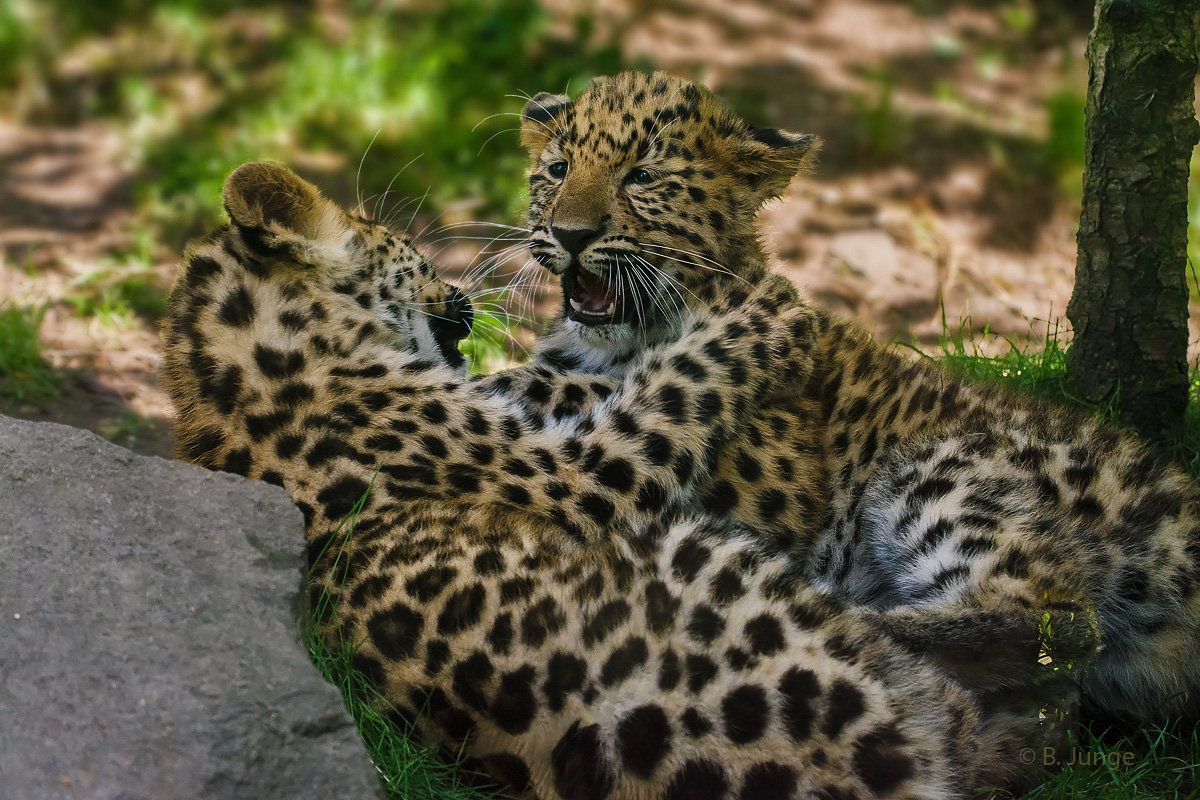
(291, 291)
(643, 193)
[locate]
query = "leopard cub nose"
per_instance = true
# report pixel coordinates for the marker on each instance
(574, 240)
(458, 307)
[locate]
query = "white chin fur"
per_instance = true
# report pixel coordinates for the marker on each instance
(604, 340)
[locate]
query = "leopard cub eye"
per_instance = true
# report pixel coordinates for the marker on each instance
(558, 169)
(641, 176)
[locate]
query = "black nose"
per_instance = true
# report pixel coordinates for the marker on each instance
(459, 312)
(574, 239)
(453, 326)
(461, 309)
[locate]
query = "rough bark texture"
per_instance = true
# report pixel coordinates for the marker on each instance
(1130, 303)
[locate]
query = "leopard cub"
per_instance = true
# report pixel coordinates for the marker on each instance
(942, 504)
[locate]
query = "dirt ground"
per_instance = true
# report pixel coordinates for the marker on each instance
(924, 201)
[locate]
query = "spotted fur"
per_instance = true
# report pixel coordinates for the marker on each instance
(525, 592)
(942, 502)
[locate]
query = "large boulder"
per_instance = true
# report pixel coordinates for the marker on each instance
(151, 633)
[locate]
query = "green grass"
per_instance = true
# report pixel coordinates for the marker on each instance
(1034, 370)
(24, 373)
(409, 770)
(1152, 761)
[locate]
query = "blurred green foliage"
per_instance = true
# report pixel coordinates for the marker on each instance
(390, 106)
(415, 91)
(116, 297)
(1063, 150)
(486, 348)
(882, 132)
(24, 373)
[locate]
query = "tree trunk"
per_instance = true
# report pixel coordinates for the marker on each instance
(1129, 308)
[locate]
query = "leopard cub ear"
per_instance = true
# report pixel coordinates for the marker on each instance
(770, 158)
(539, 120)
(270, 197)
(282, 216)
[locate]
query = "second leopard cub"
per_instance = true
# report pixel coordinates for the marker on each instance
(943, 498)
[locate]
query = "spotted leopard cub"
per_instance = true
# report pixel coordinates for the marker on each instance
(643, 194)
(522, 594)
(945, 500)
(642, 200)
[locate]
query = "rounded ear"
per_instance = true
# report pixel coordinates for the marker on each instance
(770, 158)
(538, 120)
(271, 197)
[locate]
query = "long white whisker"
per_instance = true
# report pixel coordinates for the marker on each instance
(530, 276)
(716, 265)
(383, 196)
(493, 116)
(456, 238)
(416, 210)
(358, 174)
(480, 223)
(671, 285)
(417, 307)
(488, 140)
(400, 207)
(637, 296)
(419, 234)
(647, 285)
(685, 262)
(476, 273)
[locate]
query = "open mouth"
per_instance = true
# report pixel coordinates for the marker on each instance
(591, 299)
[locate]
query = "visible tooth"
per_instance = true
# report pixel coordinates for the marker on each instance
(575, 304)
(612, 308)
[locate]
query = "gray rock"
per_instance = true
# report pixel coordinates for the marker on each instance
(150, 641)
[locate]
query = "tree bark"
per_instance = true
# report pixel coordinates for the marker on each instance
(1129, 309)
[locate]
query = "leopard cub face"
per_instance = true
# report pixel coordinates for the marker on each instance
(642, 191)
(309, 290)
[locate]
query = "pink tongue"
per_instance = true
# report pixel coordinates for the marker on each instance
(597, 296)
